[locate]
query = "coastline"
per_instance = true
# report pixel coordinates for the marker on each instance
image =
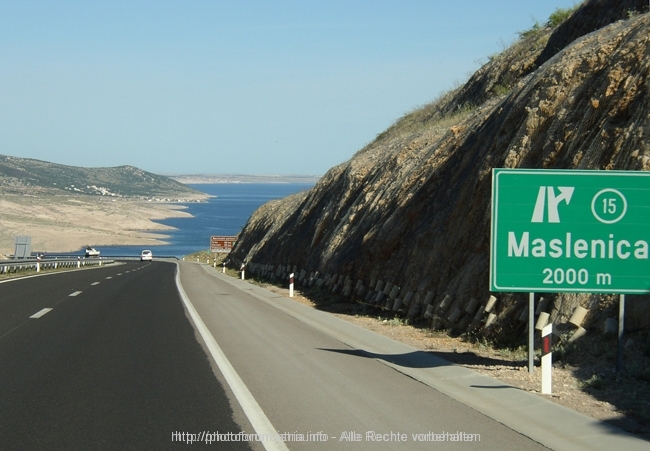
(69, 223)
(211, 179)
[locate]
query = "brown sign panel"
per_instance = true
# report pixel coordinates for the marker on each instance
(222, 244)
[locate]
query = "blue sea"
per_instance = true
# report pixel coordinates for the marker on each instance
(224, 214)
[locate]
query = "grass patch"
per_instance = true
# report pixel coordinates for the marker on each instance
(500, 90)
(595, 382)
(394, 321)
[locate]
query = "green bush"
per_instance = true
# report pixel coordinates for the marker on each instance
(560, 15)
(555, 19)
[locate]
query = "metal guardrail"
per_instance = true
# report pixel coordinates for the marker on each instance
(137, 257)
(36, 264)
(53, 256)
(65, 261)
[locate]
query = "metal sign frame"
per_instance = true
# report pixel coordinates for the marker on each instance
(570, 231)
(222, 244)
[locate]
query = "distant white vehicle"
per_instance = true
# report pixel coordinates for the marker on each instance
(146, 255)
(92, 252)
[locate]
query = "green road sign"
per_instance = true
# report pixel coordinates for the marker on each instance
(570, 231)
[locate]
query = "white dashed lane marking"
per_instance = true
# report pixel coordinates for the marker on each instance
(40, 313)
(76, 293)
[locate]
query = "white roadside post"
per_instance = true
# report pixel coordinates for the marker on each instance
(291, 285)
(78, 262)
(243, 267)
(224, 267)
(547, 359)
(38, 263)
(531, 332)
(620, 349)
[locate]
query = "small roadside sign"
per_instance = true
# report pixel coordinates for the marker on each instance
(222, 244)
(570, 231)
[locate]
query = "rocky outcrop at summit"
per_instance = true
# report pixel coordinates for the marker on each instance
(413, 207)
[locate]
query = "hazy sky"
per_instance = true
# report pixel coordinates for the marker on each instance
(238, 86)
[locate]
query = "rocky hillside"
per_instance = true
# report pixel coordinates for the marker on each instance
(23, 175)
(412, 209)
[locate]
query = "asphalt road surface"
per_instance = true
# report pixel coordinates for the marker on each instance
(114, 365)
(113, 359)
(307, 382)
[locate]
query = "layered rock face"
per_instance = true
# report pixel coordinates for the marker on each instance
(413, 207)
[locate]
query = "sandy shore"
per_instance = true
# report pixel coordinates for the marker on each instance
(240, 178)
(68, 223)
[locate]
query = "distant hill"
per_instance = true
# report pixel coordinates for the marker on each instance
(25, 175)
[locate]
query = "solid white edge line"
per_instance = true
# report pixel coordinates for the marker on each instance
(40, 313)
(252, 409)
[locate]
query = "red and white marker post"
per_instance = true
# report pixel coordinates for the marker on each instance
(547, 359)
(291, 285)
